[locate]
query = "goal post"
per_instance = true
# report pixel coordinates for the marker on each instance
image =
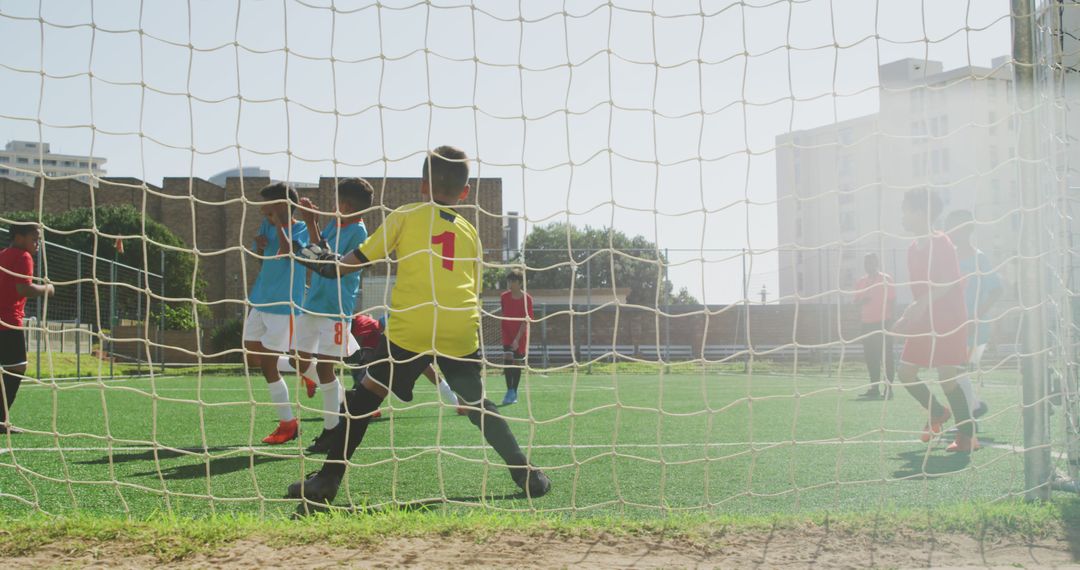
(783, 257)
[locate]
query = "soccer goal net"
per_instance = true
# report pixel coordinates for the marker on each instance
(753, 257)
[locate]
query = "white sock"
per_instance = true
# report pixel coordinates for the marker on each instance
(446, 394)
(279, 395)
(283, 364)
(309, 370)
(969, 393)
(331, 403)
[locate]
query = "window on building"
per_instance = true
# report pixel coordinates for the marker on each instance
(992, 119)
(992, 152)
(918, 164)
(4, 159)
(847, 137)
(846, 166)
(37, 161)
(83, 164)
(69, 163)
(799, 282)
(22, 161)
(3, 171)
(847, 221)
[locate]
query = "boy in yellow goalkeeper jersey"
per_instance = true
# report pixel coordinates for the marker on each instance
(436, 317)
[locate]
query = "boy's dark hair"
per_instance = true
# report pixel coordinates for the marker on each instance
(22, 229)
(280, 191)
(356, 192)
(447, 171)
(515, 275)
(923, 200)
(957, 218)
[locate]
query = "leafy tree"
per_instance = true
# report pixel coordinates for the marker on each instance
(80, 228)
(552, 251)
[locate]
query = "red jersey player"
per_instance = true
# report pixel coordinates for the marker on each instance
(517, 311)
(935, 324)
(16, 285)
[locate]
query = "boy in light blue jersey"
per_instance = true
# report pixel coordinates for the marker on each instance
(275, 297)
(323, 329)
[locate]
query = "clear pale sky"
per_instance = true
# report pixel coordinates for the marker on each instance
(644, 137)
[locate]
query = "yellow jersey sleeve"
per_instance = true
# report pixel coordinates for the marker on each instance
(385, 239)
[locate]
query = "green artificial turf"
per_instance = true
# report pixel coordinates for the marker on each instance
(614, 444)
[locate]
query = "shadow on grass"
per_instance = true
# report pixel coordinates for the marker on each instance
(217, 466)
(923, 462)
(199, 469)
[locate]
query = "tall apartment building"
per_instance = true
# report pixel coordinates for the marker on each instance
(840, 186)
(24, 161)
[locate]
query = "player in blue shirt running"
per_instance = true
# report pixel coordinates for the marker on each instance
(274, 299)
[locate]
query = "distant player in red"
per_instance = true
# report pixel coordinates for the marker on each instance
(16, 285)
(935, 324)
(876, 296)
(517, 311)
(370, 333)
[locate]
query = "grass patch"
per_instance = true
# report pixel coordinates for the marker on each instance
(170, 538)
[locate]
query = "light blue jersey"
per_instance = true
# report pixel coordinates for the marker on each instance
(981, 281)
(273, 282)
(327, 297)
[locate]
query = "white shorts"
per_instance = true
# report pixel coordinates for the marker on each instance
(272, 330)
(325, 336)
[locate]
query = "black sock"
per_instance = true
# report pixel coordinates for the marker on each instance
(350, 431)
(922, 393)
(515, 374)
(497, 433)
(11, 388)
(961, 411)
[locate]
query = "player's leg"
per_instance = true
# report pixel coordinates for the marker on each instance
(267, 337)
(394, 368)
(446, 395)
(965, 425)
(464, 376)
(872, 350)
(889, 357)
(909, 378)
(510, 372)
(13, 365)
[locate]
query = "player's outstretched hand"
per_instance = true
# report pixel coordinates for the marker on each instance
(317, 258)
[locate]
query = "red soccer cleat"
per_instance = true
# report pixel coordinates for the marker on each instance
(310, 386)
(933, 429)
(286, 431)
(963, 444)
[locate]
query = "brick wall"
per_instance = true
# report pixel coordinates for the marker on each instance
(218, 224)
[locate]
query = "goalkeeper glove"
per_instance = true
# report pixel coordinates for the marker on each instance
(317, 258)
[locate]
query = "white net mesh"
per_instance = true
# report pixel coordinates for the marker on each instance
(691, 189)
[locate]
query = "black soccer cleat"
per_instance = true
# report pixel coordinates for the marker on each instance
(531, 480)
(318, 488)
(321, 443)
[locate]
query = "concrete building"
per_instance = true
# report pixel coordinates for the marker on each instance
(840, 186)
(23, 161)
(245, 172)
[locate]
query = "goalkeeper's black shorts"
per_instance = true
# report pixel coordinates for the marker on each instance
(397, 369)
(12, 348)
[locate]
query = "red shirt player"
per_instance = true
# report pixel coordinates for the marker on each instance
(16, 285)
(935, 324)
(368, 332)
(876, 296)
(517, 311)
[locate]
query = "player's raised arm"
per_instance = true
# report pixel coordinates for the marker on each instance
(331, 265)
